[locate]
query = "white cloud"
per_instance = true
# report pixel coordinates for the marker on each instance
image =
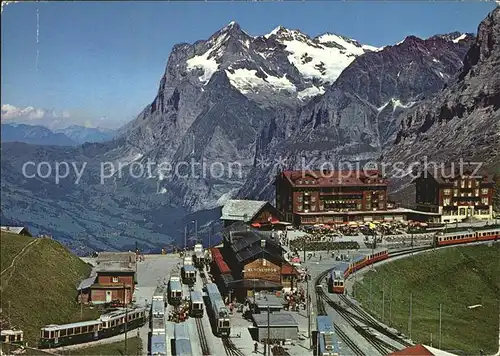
(49, 118)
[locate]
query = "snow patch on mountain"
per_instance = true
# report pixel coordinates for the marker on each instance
(247, 81)
(463, 36)
(310, 92)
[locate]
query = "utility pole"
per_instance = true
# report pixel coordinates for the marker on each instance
(308, 311)
(440, 325)
(409, 320)
(371, 299)
(185, 237)
(268, 330)
(126, 315)
(210, 236)
(383, 302)
(390, 307)
(81, 305)
(196, 230)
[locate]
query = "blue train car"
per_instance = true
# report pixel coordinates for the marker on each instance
(196, 304)
(158, 345)
(188, 273)
(182, 347)
(175, 291)
(326, 338)
(218, 312)
(182, 343)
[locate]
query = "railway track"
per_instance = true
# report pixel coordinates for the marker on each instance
(203, 338)
(361, 316)
(379, 345)
(230, 347)
(320, 306)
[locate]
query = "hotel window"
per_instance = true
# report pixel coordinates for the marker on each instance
(462, 184)
(462, 194)
(299, 198)
(469, 194)
(469, 184)
(116, 279)
(446, 202)
(313, 208)
(455, 183)
(476, 192)
(447, 191)
(484, 191)
(484, 200)
(299, 208)
(455, 192)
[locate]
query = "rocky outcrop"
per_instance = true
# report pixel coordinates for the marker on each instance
(461, 121)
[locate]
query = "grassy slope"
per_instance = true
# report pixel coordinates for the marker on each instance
(42, 288)
(454, 277)
(134, 347)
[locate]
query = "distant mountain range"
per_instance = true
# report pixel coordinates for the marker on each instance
(266, 103)
(40, 135)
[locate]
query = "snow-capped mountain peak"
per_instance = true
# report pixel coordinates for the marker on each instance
(284, 60)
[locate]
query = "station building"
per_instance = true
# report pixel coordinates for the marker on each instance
(250, 261)
(455, 194)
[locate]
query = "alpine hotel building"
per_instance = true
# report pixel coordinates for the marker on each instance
(315, 197)
(454, 195)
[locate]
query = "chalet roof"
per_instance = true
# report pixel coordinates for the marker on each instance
(447, 175)
(113, 266)
(241, 240)
(237, 209)
(116, 257)
(13, 229)
(253, 250)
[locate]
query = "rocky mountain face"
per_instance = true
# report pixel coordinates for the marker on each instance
(359, 115)
(229, 111)
(234, 98)
(462, 121)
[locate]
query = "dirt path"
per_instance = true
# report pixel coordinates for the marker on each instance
(12, 267)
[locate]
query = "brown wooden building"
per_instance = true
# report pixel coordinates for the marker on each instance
(312, 197)
(455, 193)
(259, 214)
(255, 260)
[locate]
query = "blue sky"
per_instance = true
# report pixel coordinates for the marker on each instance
(105, 60)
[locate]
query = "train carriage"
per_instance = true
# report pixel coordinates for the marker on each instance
(199, 256)
(357, 263)
(337, 278)
(158, 345)
(174, 291)
(107, 325)
(326, 338)
(196, 304)
(218, 312)
(158, 304)
(114, 323)
(53, 335)
(459, 237)
(182, 347)
(486, 235)
(182, 343)
(13, 337)
(377, 256)
(188, 273)
(158, 327)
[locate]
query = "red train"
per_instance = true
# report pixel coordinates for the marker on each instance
(462, 237)
(340, 273)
